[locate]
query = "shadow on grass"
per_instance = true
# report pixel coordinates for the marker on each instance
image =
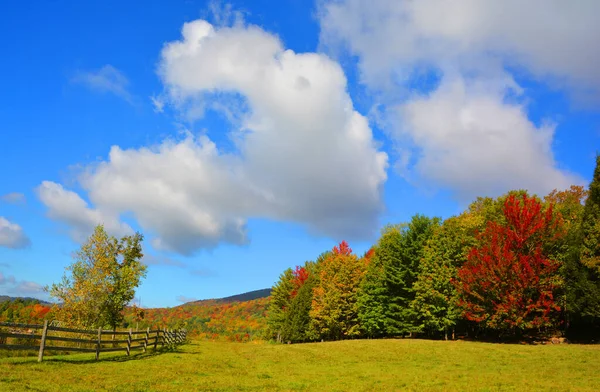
(113, 358)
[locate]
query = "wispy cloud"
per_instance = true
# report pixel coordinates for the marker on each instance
(13, 198)
(11, 286)
(184, 299)
(150, 259)
(202, 272)
(107, 79)
(158, 103)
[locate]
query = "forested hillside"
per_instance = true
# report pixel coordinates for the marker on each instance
(23, 310)
(210, 319)
(215, 319)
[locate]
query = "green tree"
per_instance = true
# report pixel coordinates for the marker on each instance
(101, 281)
(590, 226)
(581, 268)
(401, 248)
(281, 296)
(372, 298)
(296, 326)
(445, 252)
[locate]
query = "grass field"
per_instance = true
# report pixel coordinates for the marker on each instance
(362, 365)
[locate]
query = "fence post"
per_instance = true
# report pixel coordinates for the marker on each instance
(156, 339)
(43, 341)
(98, 343)
(164, 338)
(129, 341)
(147, 337)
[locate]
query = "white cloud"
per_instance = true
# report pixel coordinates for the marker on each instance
(302, 153)
(549, 38)
(469, 125)
(19, 288)
(68, 207)
(13, 198)
(106, 79)
(12, 235)
(470, 139)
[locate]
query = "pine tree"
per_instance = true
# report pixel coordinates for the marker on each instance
(590, 227)
(402, 251)
(297, 321)
(372, 299)
(279, 305)
(581, 269)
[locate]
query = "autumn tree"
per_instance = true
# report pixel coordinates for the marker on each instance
(508, 283)
(334, 309)
(101, 281)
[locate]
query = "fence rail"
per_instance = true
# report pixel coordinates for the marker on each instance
(25, 337)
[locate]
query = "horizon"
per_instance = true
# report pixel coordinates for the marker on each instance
(242, 138)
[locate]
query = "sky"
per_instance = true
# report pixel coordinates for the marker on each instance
(245, 137)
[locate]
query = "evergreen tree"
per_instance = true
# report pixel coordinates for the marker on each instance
(581, 268)
(279, 305)
(372, 299)
(297, 321)
(590, 227)
(402, 250)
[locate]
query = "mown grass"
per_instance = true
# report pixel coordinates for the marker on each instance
(362, 365)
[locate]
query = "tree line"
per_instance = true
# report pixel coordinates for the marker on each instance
(514, 267)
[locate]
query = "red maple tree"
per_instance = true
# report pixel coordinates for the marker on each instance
(342, 249)
(300, 276)
(508, 281)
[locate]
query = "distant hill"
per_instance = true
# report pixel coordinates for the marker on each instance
(249, 296)
(4, 298)
(239, 318)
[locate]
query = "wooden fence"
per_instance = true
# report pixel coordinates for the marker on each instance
(96, 341)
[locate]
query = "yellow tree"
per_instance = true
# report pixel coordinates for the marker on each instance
(101, 281)
(334, 310)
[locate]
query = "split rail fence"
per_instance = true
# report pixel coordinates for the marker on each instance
(59, 339)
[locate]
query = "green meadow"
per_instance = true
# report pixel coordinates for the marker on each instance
(359, 365)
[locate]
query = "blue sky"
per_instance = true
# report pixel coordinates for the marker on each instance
(243, 138)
